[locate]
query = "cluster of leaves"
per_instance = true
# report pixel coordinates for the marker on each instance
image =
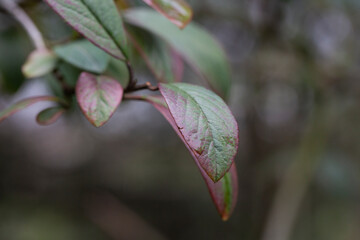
(106, 56)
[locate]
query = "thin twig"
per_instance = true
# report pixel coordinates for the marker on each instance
(132, 86)
(134, 97)
(145, 86)
(132, 81)
(20, 15)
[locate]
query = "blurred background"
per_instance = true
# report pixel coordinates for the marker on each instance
(296, 97)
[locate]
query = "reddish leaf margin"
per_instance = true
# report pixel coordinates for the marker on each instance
(26, 103)
(98, 97)
(177, 11)
(224, 192)
(49, 115)
(207, 124)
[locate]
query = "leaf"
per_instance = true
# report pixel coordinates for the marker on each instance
(49, 115)
(224, 192)
(39, 63)
(26, 103)
(164, 63)
(177, 11)
(207, 125)
(69, 72)
(68, 75)
(98, 97)
(194, 44)
(84, 55)
(54, 86)
(97, 20)
(177, 65)
(118, 70)
(14, 49)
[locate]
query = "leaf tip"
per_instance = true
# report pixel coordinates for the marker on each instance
(216, 178)
(98, 124)
(49, 116)
(225, 217)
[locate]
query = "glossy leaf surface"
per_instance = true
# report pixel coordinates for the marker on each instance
(97, 20)
(224, 192)
(39, 63)
(49, 115)
(84, 55)
(177, 11)
(98, 97)
(193, 43)
(207, 124)
(24, 104)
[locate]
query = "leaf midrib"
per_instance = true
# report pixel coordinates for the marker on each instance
(207, 123)
(106, 30)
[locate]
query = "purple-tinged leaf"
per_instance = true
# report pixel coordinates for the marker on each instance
(195, 45)
(49, 115)
(207, 125)
(39, 63)
(177, 11)
(224, 192)
(98, 97)
(164, 62)
(26, 103)
(97, 20)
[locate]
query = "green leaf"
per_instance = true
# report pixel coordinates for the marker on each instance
(54, 85)
(224, 192)
(207, 125)
(177, 11)
(97, 20)
(164, 63)
(194, 44)
(39, 63)
(49, 115)
(26, 103)
(69, 72)
(84, 55)
(98, 97)
(118, 70)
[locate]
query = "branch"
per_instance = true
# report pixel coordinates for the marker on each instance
(145, 86)
(132, 86)
(134, 97)
(132, 81)
(20, 15)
